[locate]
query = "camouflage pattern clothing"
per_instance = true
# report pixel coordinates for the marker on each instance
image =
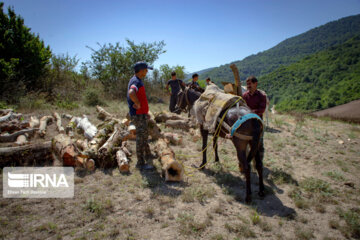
(142, 146)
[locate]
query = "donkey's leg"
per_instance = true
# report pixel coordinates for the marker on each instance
(259, 168)
(240, 146)
(215, 146)
(204, 134)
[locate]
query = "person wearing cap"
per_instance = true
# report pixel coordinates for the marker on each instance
(175, 85)
(194, 84)
(256, 101)
(138, 110)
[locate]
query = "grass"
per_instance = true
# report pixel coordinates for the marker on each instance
(200, 194)
(335, 175)
(304, 234)
(299, 200)
(240, 230)
(188, 225)
(352, 220)
(315, 185)
(279, 176)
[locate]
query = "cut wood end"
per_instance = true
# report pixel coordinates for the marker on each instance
(124, 168)
(174, 172)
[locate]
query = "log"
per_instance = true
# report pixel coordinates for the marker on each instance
(173, 138)
(7, 117)
(66, 150)
(12, 137)
(82, 144)
(122, 161)
(180, 124)
(28, 155)
(154, 130)
(34, 122)
(88, 128)
(67, 116)
(58, 123)
(164, 116)
(237, 90)
(13, 125)
(103, 114)
(44, 121)
(171, 169)
(71, 126)
(21, 140)
(5, 111)
(114, 140)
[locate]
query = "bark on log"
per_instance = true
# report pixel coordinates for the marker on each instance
(114, 140)
(58, 123)
(5, 111)
(88, 128)
(173, 138)
(7, 117)
(14, 125)
(238, 90)
(29, 155)
(66, 150)
(103, 114)
(154, 130)
(34, 122)
(122, 161)
(164, 116)
(12, 137)
(21, 140)
(180, 124)
(44, 121)
(171, 169)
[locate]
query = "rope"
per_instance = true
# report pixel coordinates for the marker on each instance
(217, 133)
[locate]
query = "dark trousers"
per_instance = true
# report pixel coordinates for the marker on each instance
(173, 100)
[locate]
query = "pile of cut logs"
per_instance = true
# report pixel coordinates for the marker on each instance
(103, 146)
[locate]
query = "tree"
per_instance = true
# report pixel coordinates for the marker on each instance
(112, 64)
(23, 57)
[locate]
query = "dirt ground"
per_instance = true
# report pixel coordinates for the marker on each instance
(311, 169)
(347, 112)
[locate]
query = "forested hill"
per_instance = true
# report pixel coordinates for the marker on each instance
(322, 80)
(291, 50)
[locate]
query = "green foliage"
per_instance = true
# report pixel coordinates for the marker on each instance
(352, 219)
(314, 185)
(112, 64)
(290, 50)
(92, 97)
(322, 80)
(23, 57)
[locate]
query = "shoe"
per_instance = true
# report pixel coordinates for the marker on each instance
(145, 167)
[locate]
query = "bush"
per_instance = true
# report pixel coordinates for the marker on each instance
(92, 97)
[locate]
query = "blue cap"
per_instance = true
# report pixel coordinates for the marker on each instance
(141, 65)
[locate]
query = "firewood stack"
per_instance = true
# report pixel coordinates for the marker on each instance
(81, 144)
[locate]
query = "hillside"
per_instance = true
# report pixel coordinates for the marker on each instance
(290, 50)
(322, 80)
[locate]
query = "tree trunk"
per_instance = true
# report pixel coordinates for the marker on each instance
(29, 155)
(173, 138)
(171, 169)
(21, 140)
(164, 116)
(14, 125)
(122, 161)
(58, 122)
(88, 128)
(180, 124)
(34, 122)
(12, 137)
(44, 121)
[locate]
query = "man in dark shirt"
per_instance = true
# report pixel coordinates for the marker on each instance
(138, 110)
(256, 101)
(194, 84)
(175, 85)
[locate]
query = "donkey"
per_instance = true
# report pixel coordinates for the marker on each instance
(249, 132)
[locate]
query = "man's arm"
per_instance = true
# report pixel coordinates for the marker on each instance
(262, 106)
(167, 88)
(134, 98)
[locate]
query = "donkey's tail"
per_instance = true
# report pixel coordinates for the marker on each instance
(255, 142)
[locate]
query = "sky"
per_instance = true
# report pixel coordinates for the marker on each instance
(198, 34)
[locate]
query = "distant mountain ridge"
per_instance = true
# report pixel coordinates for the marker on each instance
(189, 76)
(319, 81)
(290, 50)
